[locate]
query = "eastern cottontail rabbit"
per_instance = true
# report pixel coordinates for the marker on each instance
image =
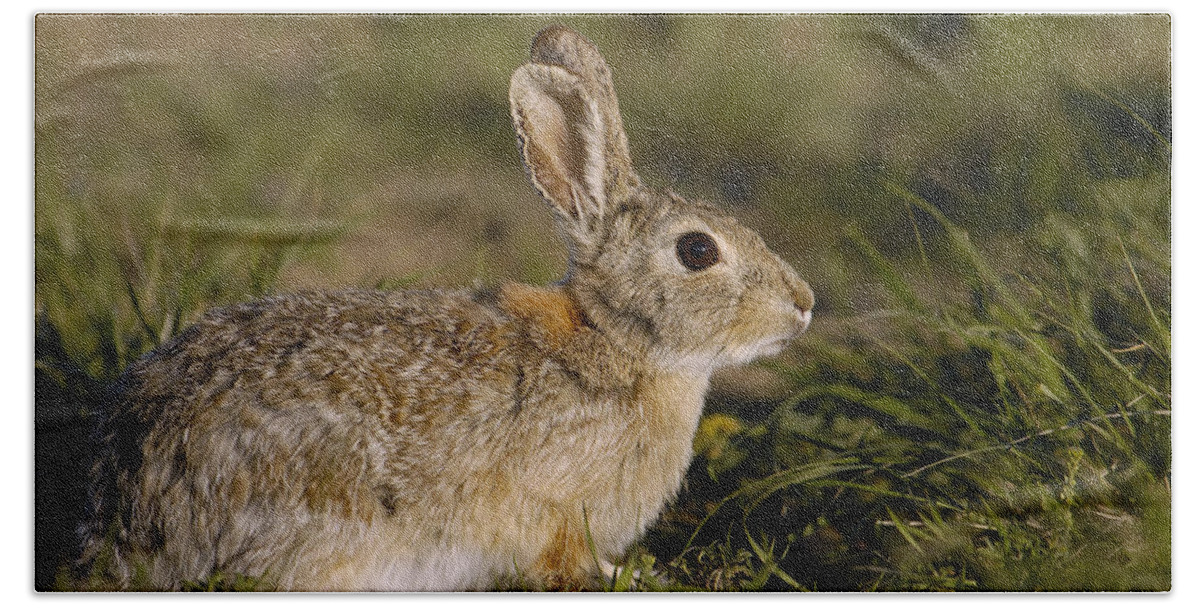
(438, 440)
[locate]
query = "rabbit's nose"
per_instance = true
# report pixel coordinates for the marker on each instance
(802, 296)
(803, 299)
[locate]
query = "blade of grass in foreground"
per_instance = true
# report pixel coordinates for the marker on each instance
(889, 406)
(762, 488)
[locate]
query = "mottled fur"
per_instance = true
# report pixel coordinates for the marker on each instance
(444, 439)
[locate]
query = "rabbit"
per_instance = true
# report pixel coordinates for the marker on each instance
(435, 440)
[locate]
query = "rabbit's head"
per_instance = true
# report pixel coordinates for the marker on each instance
(678, 282)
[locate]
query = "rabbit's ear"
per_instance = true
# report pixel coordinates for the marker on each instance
(565, 114)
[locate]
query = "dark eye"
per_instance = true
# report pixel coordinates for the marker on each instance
(697, 251)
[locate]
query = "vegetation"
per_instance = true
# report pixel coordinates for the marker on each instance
(982, 204)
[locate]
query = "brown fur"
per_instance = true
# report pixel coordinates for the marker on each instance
(547, 311)
(561, 564)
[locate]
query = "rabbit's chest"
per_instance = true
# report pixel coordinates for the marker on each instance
(670, 408)
(648, 472)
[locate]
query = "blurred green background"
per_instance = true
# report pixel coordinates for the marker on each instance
(981, 203)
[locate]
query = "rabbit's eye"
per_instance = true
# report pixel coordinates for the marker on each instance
(697, 251)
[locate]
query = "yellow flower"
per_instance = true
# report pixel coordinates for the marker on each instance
(713, 435)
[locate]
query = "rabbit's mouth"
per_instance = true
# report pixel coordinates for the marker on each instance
(776, 337)
(805, 320)
(801, 319)
(776, 345)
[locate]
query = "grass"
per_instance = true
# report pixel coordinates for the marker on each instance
(981, 203)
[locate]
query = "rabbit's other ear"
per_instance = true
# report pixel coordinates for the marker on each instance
(570, 131)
